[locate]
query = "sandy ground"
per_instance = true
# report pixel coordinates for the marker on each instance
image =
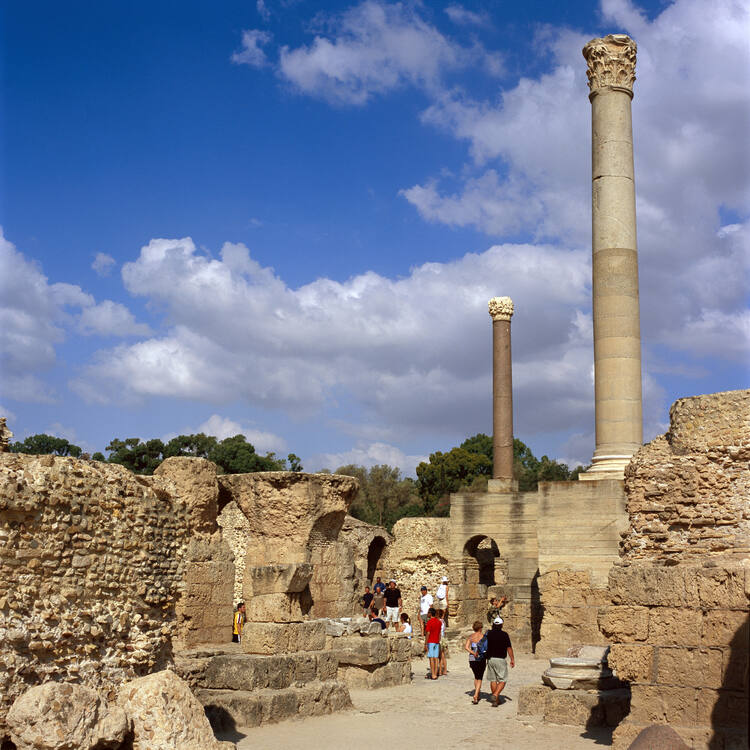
(428, 714)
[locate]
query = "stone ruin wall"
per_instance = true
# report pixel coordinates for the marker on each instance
(94, 587)
(680, 595)
(235, 531)
(417, 556)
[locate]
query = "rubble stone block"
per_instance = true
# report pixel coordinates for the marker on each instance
(632, 663)
(532, 700)
(670, 626)
(658, 704)
(61, 716)
(624, 623)
(165, 714)
(700, 667)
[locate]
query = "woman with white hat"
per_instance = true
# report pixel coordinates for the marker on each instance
(441, 595)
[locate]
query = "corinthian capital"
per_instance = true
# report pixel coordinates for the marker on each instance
(611, 62)
(501, 308)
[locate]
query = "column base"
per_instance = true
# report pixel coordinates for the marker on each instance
(606, 467)
(502, 485)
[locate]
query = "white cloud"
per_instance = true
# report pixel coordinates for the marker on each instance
(224, 427)
(263, 10)
(369, 455)
(103, 264)
(110, 319)
(413, 353)
(464, 17)
(691, 115)
(251, 53)
(376, 47)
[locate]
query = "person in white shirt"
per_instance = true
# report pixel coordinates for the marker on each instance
(425, 602)
(404, 626)
(442, 596)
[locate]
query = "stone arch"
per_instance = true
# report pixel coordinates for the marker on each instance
(374, 553)
(481, 554)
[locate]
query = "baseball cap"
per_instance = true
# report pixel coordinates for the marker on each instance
(424, 588)
(445, 579)
(497, 621)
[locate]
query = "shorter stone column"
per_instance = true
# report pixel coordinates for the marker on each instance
(501, 310)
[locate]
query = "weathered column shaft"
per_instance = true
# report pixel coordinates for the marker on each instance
(616, 314)
(501, 310)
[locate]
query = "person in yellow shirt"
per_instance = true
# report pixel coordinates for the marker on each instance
(238, 622)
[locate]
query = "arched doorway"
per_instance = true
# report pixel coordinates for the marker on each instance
(483, 553)
(374, 553)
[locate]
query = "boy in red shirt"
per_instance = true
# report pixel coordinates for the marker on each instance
(432, 630)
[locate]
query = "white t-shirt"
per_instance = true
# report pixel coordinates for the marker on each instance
(407, 628)
(442, 591)
(425, 602)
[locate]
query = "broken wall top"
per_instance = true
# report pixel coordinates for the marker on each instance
(688, 490)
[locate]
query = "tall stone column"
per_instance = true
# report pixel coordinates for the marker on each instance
(617, 334)
(501, 310)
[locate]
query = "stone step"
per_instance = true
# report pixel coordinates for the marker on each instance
(228, 710)
(256, 672)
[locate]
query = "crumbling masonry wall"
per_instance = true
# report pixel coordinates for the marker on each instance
(681, 592)
(92, 572)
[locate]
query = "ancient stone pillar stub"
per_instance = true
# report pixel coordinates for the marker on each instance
(501, 308)
(611, 63)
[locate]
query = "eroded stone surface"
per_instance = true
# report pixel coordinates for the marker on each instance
(63, 716)
(165, 714)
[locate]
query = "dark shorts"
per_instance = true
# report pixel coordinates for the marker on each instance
(478, 668)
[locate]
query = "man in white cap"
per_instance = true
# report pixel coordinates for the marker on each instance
(498, 650)
(441, 596)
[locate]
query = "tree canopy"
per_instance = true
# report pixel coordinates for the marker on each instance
(45, 444)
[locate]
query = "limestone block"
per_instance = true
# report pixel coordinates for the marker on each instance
(323, 698)
(658, 704)
(649, 585)
(586, 708)
(532, 699)
(722, 588)
(281, 671)
(327, 665)
(722, 627)
(277, 579)
(735, 668)
(624, 623)
(61, 716)
(277, 705)
(165, 714)
(631, 662)
(375, 676)
(305, 668)
(699, 667)
(227, 710)
(275, 638)
(361, 651)
(289, 513)
(722, 708)
(237, 672)
(400, 648)
(671, 626)
(275, 608)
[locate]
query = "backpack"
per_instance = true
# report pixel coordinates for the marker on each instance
(482, 648)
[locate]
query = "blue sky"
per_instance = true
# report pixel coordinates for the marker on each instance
(286, 218)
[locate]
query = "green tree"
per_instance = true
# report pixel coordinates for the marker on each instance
(234, 455)
(295, 462)
(384, 495)
(43, 444)
(198, 446)
(449, 472)
(139, 457)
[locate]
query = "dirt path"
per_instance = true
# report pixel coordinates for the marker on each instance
(428, 714)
